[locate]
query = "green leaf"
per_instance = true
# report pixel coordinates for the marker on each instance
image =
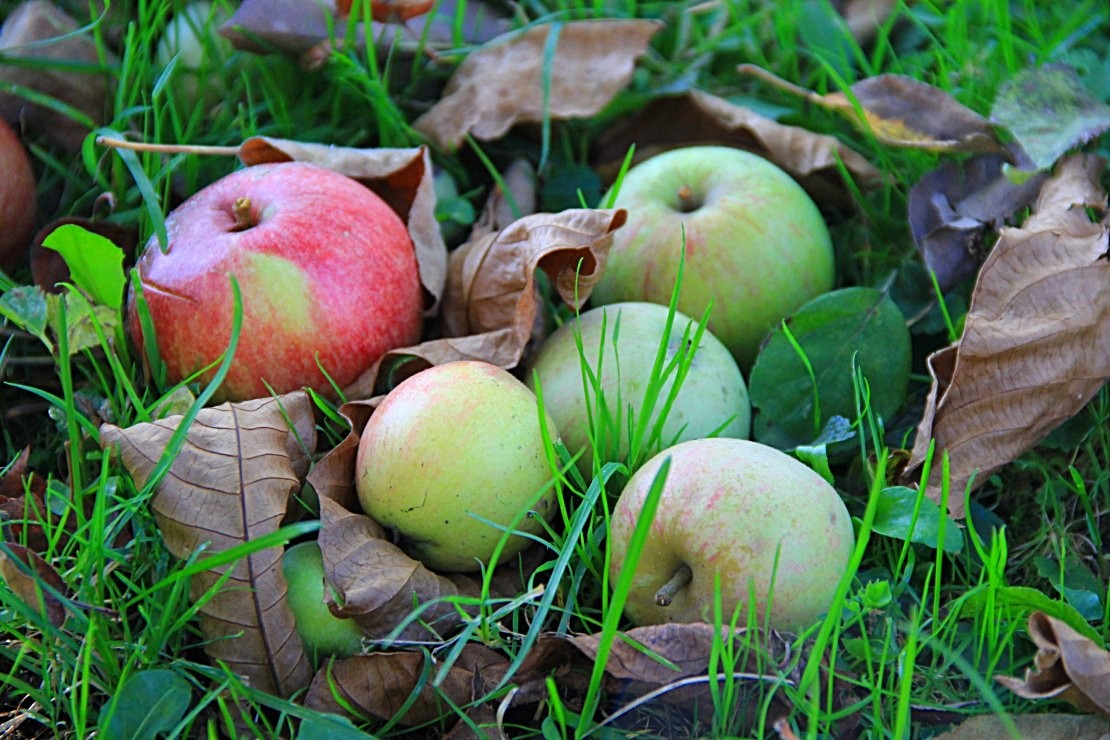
(95, 263)
(148, 703)
(329, 727)
(1016, 602)
(854, 325)
(25, 306)
(80, 327)
(1049, 111)
(894, 517)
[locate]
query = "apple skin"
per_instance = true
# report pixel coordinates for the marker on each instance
(712, 393)
(17, 199)
(756, 243)
(322, 632)
(726, 507)
(327, 268)
(455, 438)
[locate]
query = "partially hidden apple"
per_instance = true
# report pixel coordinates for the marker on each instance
(201, 53)
(322, 632)
(756, 244)
(740, 513)
(448, 445)
(620, 344)
(17, 199)
(326, 269)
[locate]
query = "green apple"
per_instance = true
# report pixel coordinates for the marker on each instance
(756, 245)
(450, 458)
(201, 53)
(712, 397)
(753, 517)
(322, 632)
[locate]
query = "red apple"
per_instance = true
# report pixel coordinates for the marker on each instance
(327, 272)
(17, 199)
(755, 242)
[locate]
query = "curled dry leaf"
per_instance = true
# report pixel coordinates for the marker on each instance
(42, 31)
(700, 118)
(25, 574)
(1036, 340)
(490, 305)
(22, 504)
(512, 80)
(402, 177)
(953, 209)
(231, 482)
(1067, 666)
(901, 111)
(378, 685)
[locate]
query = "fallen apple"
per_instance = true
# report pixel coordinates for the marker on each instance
(753, 517)
(190, 37)
(451, 456)
(712, 397)
(17, 199)
(756, 245)
(322, 632)
(327, 273)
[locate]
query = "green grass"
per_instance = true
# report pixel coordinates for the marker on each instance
(912, 628)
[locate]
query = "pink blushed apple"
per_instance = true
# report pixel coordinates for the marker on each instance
(326, 269)
(753, 517)
(17, 199)
(756, 244)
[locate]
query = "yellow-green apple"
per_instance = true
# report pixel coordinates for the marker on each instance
(756, 244)
(620, 343)
(17, 199)
(322, 632)
(327, 272)
(740, 512)
(202, 54)
(448, 445)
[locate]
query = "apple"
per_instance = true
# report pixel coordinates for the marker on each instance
(449, 442)
(756, 245)
(712, 396)
(201, 53)
(326, 269)
(322, 632)
(754, 517)
(17, 199)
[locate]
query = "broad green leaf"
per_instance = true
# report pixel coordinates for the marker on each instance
(25, 306)
(95, 263)
(148, 703)
(894, 517)
(1015, 602)
(1049, 111)
(80, 327)
(837, 331)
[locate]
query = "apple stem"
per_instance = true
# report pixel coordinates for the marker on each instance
(139, 146)
(244, 219)
(666, 592)
(686, 199)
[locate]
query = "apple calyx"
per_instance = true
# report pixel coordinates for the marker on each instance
(244, 218)
(666, 593)
(686, 200)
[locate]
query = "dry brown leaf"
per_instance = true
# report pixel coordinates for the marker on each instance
(503, 83)
(1039, 726)
(22, 506)
(25, 573)
(901, 111)
(379, 684)
(864, 17)
(1067, 666)
(402, 177)
(519, 191)
(232, 482)
(1036, 340)
(42, 31)
(700, 118)
(489, 303)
